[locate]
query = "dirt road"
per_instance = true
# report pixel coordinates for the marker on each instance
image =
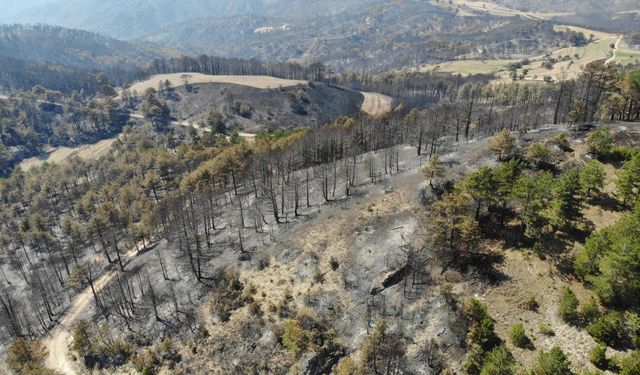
(615, 52)
(58, 340)
(376, 104)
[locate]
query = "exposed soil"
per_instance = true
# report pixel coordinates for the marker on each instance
(60, 154)
(376, 104)
(58, 340)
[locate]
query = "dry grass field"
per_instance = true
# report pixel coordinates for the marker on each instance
(60, 154)
(176, 79)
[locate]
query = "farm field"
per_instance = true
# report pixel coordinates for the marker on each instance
(569, 60)
(176, 79)
(60, 154)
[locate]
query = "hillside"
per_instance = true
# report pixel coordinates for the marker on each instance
(354, 35)
(339, 187)
(374, 38)
(402, 243)
(259, 109)
(124, 19)
(70, 47)
(616, 16)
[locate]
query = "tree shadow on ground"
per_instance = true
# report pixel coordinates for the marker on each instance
(606, 202)
(481, 266)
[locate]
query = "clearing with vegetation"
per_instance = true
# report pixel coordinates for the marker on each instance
(556, 65)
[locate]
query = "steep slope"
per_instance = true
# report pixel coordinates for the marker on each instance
(254, 109)
(57, 45)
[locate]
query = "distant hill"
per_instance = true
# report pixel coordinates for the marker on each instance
(71, 47)
(572, 5)
(609, 15)
(126, 18)
(360, 35)
(373, 38)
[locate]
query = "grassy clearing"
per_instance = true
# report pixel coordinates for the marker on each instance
(176, 79)
(468, 67)
(626, 56)
(376, 104)
(596, 34)
(60, 154)
(569, 65)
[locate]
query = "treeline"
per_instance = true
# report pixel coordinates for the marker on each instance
(72, 47)
(231, 66)
(413, 89)
(66, 60)
(21, 75)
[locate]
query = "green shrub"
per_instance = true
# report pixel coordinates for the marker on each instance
(562, 141)
(553, 362)
(229, 295)
(294, 337)
(499, 361)
(600, 142)
(81, 339)
(630, 365)
(538, 153)
(633, 328)
(590, 311)
(592, 177)
(481, 325)
(623, 153)
(598, 356)
(531, 303)
(481, 336)
(568, 305)
(519, 336)
(546, 329)
(608, 329)
(305, 333)
(26, 357)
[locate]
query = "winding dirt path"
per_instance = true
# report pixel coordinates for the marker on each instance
(615, 52)
(58, 340)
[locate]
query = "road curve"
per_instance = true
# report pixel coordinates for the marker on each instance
(615, 51)
(58, 340)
